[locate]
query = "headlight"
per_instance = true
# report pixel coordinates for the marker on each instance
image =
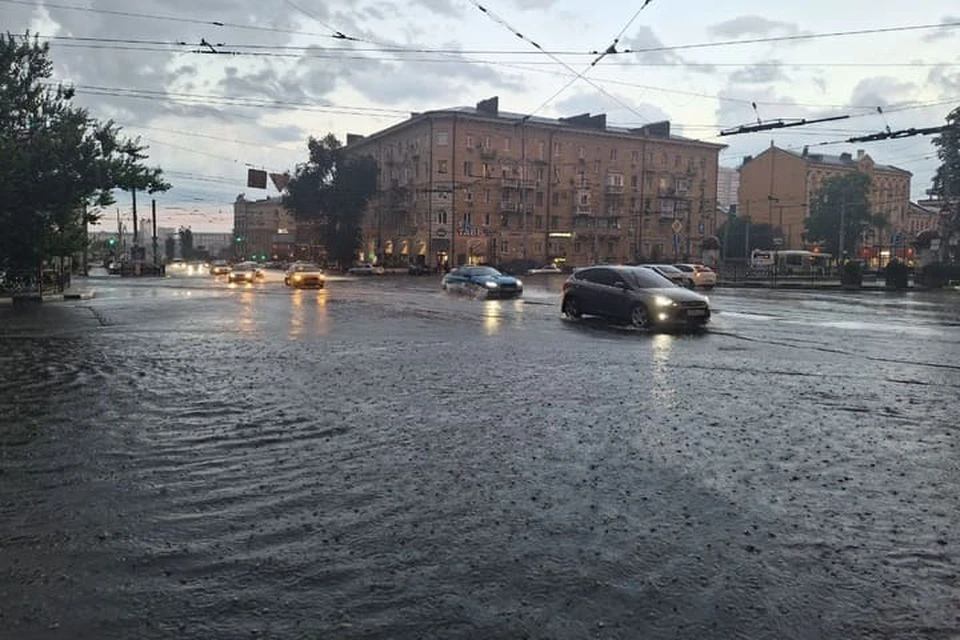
(298, 277)
(663, 301)
(706, 299)
(490, 284)
(519, 282)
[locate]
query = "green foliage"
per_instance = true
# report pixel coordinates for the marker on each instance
(333, 189)
(170, 248)
(733, 233)
(851, 274)
(55, 161)
(844, 197)
(946, 181)
(896, 274)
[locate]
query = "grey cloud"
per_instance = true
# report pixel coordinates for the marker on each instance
(881, 91)
(946, 80)
(760, 73)
(944, 33)
(755, 26)
(444, 7)
(645, 39)
(528, 5)
(595, 102)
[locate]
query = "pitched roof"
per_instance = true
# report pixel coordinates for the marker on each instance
(842, 160)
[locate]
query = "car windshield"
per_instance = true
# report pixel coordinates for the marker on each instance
(480, 271)
(685, 267)
(306, 267)
(648, 279)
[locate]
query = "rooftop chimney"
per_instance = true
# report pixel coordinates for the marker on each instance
(806, 151)
(490, 106)
(860, 154)
(846, 157)
(353, 137)
(747, 159)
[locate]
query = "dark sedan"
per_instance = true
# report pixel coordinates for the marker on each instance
(486, 282)
(636, 295)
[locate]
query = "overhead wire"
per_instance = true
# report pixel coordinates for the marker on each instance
(576, 75)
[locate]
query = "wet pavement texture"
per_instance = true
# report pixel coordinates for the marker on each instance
(182, 458)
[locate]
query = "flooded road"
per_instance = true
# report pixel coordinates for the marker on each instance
(180, 458)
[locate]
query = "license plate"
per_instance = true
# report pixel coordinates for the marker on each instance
(696, 312)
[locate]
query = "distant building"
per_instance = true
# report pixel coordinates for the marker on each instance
(728, 188)
(477, 184)
(777, 187)
(262, 228)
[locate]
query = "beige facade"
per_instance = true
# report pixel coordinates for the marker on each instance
(262, 227)
(777, 187)
(481, 185)
(921, 217)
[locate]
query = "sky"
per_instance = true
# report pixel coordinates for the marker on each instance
(250, 81)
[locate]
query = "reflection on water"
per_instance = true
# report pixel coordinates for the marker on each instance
(247, 312)
(664, 391)
(308, 308)
(491, 317)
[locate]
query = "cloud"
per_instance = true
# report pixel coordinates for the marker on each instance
(443, 7)
(529, 5)
(881, 91)
(946, 80)
(944, 33)
(752, 26)
(649, 49)
(759, 73)
(595, 102)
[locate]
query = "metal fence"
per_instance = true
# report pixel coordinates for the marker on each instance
(36, 282)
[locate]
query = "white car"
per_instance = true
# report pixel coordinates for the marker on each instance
(703, 276)
(545, 269)
(366, 269)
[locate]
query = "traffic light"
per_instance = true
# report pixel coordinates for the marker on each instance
(112, 242)
(239, 239)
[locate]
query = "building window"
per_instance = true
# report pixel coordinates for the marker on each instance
(467, 169)
(486, 195)
(442, 216)
(468, 195)
(596, 166)
(613, 154)
(469, 141)
(506, 144)
(486, 170)
(486, 219)
(634, 155)
(554, 222)
(540, 174)
(556, 148)
(556, 175)
(505, 195)
(466, 220)
(581, 153)
(443, 138)
(584, 198)
(577, 247)
(486, 142)
(633, 181)
(539, 198)
(541, 150)
(555, 198)
(505, 246)
(538, 222)
(676, 161)
(441, 166)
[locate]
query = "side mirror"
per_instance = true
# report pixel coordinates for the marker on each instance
(620, 285)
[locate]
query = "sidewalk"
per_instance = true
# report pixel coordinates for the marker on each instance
(872, 284)
(79, 289)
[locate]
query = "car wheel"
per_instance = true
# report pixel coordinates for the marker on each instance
(570, 307)
(639, 317)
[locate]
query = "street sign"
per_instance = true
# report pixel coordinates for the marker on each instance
(778, 242)
(677, 226)
(700, 228)
(676, 242)
(895, 239)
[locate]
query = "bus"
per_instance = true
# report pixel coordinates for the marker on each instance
(790, 262)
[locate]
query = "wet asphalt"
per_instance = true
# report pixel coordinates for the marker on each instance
(184, 459)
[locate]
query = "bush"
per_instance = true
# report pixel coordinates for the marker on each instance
(937, 274)
(896, 274)
(851, 275)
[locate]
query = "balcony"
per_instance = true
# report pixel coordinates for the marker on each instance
(509, 207)
(510, 183)
(614, 189)
(487, 153)
(582, 210)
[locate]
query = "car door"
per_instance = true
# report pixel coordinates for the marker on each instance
(587, 291)
(613, 294)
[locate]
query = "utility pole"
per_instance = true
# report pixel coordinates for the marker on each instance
(843, 220)
(136, 237)
(153, 215)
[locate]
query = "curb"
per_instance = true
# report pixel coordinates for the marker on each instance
(59, 297)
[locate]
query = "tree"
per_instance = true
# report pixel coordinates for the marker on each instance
(733, 236)
(170, 248)
(56, 162)
(840, 198)
(332, 190)
(946, 181)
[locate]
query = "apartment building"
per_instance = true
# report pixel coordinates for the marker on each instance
(480, 185)
(728, 188)
(777, 187)
(262, 228)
